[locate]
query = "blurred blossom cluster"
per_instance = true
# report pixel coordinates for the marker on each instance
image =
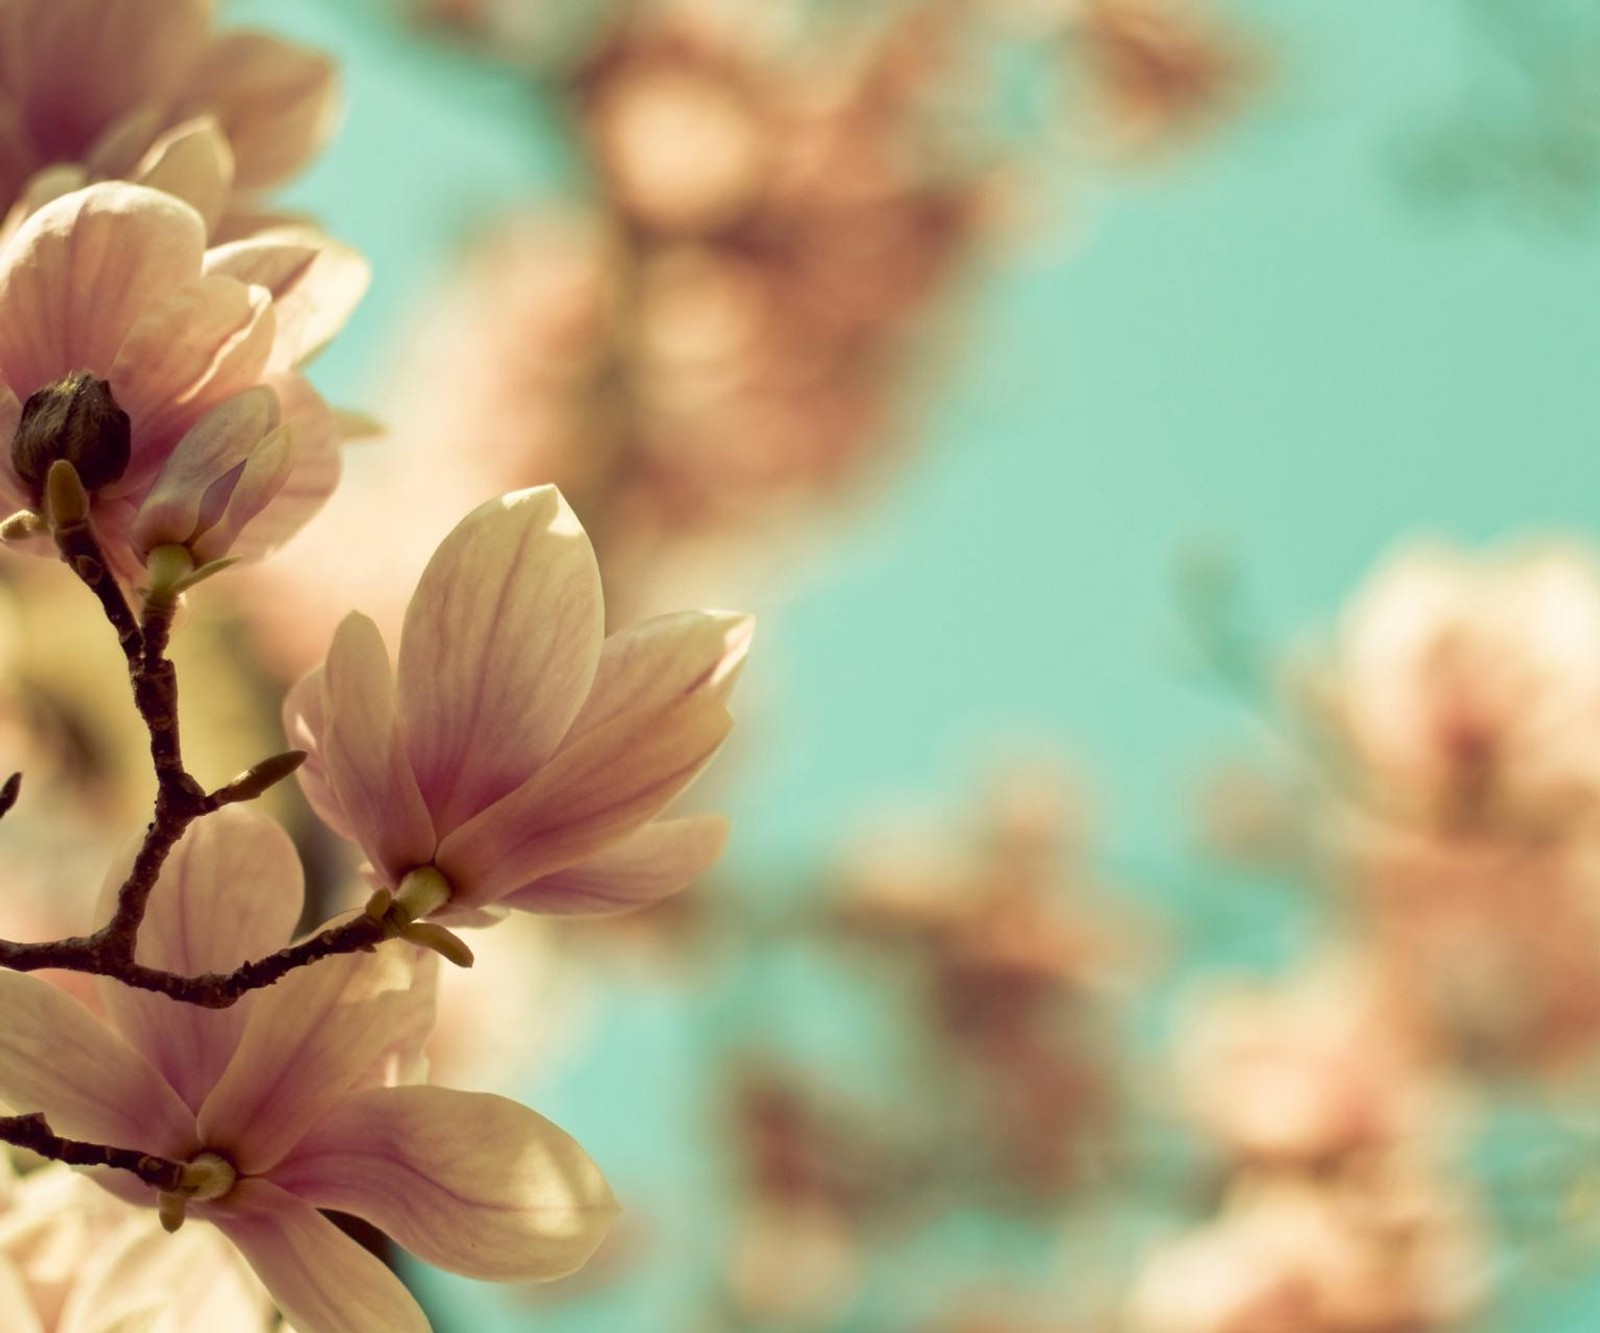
(1435, 783)
(1013, 951)
(712, 349)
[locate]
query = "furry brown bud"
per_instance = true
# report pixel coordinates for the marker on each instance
(75, 419)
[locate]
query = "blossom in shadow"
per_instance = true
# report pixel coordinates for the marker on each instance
(145, 91)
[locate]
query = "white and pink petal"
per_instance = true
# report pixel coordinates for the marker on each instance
(231, 890)
(602, 788)
(58, 1058)
(466, 1181)
(82, 270)
(323, 1281)
(306, 1042)
(664, 659)
(500, 645)
(276, 101)
(658, 860)
(363, 753)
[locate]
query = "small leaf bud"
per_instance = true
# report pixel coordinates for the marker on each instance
(66, 502)
(259, 778)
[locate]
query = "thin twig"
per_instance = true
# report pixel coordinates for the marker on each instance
(180, 800)
(33, 1132)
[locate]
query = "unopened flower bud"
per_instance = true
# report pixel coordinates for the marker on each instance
(259, 778)
(78, 420)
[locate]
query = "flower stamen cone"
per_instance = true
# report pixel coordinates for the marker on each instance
(206, 1178)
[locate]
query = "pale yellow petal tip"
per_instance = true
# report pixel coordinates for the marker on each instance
(740, 632)
(549, 496)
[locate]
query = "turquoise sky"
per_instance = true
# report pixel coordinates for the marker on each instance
(1269, 346)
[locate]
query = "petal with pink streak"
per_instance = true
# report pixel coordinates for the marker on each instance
(194, 162)
(362, 752)
(208, 451)
(206, 342)
(645, 867)
(81, 271)
(307, 1041)
(466, 1181)
(277, 102)
(75, 67)
(316, 465)
(315, 283)
(261, 478)
(666, 658)
(232, 890)
(304, 721)
(58, 1058)
(499, 648)
(323, 1281)
(602, 788)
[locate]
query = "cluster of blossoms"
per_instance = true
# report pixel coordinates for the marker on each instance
(1014, 955)
(1457, 720)
(711, 356)
(990, 956)
(1339, 1213)
(1449, 733)
(202, 1063)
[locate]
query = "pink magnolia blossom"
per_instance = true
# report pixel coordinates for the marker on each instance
(1310, 1071)
(231, 451)
(1465, 687)
(1393, 1252)
(517, 755)
(143, 90)
(286, 1103)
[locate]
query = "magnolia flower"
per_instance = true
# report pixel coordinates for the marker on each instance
(516, 757)
(1466, 688)
(1513, 978)
(285, 1104)
(1373, 1255)
(174, 367)
(1308, 1072)
(142, 90)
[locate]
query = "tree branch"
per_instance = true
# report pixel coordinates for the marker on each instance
(101, 955)
(180, 800)
(33, 1132)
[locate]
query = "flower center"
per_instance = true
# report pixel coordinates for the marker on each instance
(206, 1177)
(422, 891)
